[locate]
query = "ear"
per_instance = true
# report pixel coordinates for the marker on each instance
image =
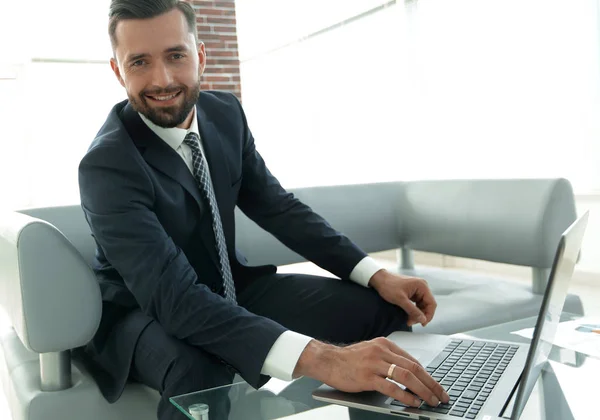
(115, 68)
(201, 58)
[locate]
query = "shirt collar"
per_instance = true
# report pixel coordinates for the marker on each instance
(172, 136)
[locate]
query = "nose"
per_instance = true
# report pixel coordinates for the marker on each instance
(161, 75)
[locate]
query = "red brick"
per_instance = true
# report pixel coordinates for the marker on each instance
(211, 12)
(226, 20)
(230, 53)
(228, 61)
(204, 28)
(222, 3)
(223, 37)
(214, 78)
(225, 86)
(221, 28)
(224, 69)
(212, 44)
(205, 35)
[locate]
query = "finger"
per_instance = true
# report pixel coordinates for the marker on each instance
(401, 352)
(427, 303)
(424, 300)
(407, 378)
(392, 390)
(423, 385)
(414, 314)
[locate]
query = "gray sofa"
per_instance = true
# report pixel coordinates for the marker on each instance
(53, 302)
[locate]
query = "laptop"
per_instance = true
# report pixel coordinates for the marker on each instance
(485, 379)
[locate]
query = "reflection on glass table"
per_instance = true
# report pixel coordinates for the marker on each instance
(565, 390)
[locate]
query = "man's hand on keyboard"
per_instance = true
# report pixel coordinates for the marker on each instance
(410, 293)
(365, 367)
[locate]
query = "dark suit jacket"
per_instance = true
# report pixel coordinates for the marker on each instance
(156, 248)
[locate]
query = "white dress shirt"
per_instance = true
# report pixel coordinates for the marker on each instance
(283, 356)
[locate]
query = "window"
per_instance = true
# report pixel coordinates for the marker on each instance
(425, 89)
(60, 93)
(336, 92)
(325, 109)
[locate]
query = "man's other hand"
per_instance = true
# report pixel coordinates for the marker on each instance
(410, 293)
(365, 367)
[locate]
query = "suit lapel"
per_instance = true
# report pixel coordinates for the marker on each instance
(163, 158)
(159, 154)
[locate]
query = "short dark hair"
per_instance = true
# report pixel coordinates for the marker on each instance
(147, 9)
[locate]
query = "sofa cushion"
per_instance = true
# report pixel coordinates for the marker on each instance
(468, 300)
(20, 380)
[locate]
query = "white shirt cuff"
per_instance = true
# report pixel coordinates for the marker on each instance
(364, 270)
(283, 356)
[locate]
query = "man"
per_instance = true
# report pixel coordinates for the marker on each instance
(182, 309)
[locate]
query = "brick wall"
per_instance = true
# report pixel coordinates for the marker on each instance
(217, 29)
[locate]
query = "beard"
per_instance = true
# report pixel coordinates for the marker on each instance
(167, 117)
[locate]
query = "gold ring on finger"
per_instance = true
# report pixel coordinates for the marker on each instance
(391, 371)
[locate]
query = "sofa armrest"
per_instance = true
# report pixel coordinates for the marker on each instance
(48, 291)
(516, 221)
(512, 221)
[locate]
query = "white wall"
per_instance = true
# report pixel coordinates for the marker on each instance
(438, 89)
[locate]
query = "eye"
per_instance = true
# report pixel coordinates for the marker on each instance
(177, 56)
(138, 63)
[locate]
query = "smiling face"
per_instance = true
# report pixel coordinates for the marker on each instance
(159, 65)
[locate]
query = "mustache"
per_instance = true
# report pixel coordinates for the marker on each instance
(163, 91)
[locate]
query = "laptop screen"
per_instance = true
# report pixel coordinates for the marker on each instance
(550, 311)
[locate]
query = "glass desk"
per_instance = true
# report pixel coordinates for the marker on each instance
(566, 390)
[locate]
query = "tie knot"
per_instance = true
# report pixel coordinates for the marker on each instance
(191, 139)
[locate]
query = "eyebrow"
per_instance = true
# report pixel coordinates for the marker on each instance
(136, 57)
(176, 48)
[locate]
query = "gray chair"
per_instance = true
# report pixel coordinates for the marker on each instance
(53, 302)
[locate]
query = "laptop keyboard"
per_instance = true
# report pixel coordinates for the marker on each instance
(468, 371)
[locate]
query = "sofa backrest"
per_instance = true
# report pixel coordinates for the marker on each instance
(513, 221)
(369, 214)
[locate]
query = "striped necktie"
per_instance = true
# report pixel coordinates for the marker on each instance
(202, 176)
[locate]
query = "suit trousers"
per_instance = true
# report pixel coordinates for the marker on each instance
(331, 310)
